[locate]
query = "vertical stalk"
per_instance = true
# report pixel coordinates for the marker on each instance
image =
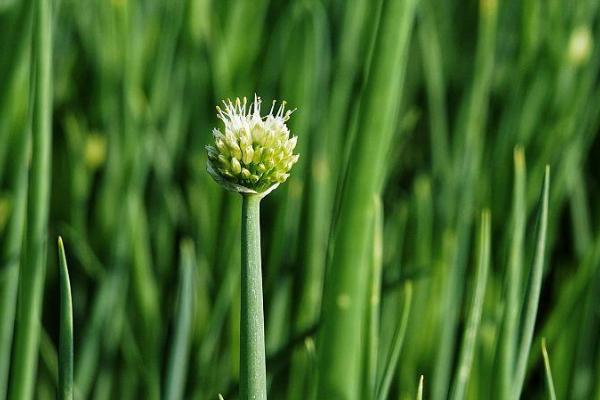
(463, 371)
(15, 44)
(385, 381)
(65, 355)
(515, 265)
(10, 254)
(548, 370)
(468, 147)
(531, 308)
(420, 389)
(31, 275)
(340, 349)
(253, 374)
(180, 347)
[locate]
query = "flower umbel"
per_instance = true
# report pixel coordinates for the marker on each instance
(253, 154)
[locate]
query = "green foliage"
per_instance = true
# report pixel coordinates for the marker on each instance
(65, 351)
(549, 379)
(33, 267)
(413, 116)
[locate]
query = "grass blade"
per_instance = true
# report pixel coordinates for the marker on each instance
(388, 370)
(534, 291)
(65, 354)
(340, 356)
(463, 371)
(10, 254)
(509, 334)
(420, 389)
(436, 89)
(468, 143)
(549, 380)
(15, 45)
(31, 279)
(180, 348)
(373, 303)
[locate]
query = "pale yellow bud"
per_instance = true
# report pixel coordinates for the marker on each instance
(580, 45)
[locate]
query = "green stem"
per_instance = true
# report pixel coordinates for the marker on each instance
(33, 269)
(534, 291)
(65, 355)
(178, 360)
(463, 372)
(253, 374)
(549, 380)
(515, 266)
(10, 252)
(420, 389)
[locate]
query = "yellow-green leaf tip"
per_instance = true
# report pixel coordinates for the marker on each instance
(253, 154)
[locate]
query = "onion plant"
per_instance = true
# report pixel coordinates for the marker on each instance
(33, 269)
(252, 156)
(368, 268)
(65, 375)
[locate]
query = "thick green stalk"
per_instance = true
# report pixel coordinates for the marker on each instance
(65, 355)
(340, 336)
(31, 279)
(253, 372)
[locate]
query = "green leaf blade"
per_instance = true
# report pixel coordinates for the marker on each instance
(65, 354)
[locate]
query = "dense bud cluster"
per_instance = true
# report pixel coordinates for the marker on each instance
(253, 154)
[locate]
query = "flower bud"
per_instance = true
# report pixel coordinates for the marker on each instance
(253, 154)
(580, 46)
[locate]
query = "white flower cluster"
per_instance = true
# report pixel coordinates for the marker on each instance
(253, 154)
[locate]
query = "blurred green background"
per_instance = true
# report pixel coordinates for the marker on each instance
(413, 116)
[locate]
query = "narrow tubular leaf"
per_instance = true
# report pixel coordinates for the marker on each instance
(470, 336)
(436, 91)
(20, 37)
(65, 351)
(32, 274)
(340, 356)
(534, 290)
(513, 281)
(398, 339)
(548, 370)
(180, 347)
(469, 146)
(317, 191)
(10, 253)
(373, 303)
(420, 389)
